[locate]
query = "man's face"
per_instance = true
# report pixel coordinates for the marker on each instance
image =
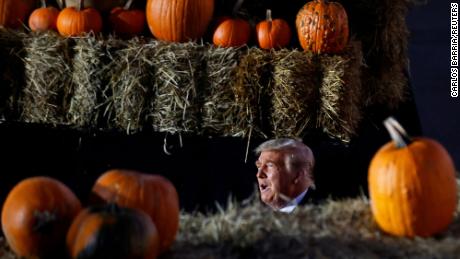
(274, 180)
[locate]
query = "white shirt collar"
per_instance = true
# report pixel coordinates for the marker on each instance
(290, 206)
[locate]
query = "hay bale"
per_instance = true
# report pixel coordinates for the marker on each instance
(131, 85)
(341, 96)
(91, 73)
(295, 93)
(11, 72)
(178, 76)
(48, 72)
(251, 89)
(333, 229)
(219, 103)
(382, 28)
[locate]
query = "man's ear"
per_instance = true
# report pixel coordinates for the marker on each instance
(300, 174)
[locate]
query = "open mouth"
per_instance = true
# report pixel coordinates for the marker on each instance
(263, 187)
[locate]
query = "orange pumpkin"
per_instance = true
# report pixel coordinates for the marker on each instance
(412, 185)
(13, 13)
(273, 33)
(232, 32)
(112, 232)
(153, 194)
(322, 27)
(36, 216)
(76, 21)
(43, 18)
(178, 20)
(126, 22)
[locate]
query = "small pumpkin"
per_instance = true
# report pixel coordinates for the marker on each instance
(36, 216)
(273, 33)
(126, 22)
(13, 13)
(232, 32)
(112, 232)
(412, 185)
(322, 27)
(43, 18)
(76, 21)
(153, 194)
(178, 20)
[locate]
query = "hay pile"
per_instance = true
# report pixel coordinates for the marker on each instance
(220, 108)
(11, 72)
(178, 77)
(294, 93)
(334, 229)
(251, 88)
(92, 66)
(48, 75)
(131, 86)
(341, 93)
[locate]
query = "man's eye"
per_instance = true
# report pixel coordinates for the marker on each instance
(271, 165)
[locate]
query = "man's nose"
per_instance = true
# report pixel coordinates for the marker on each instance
(260, 173)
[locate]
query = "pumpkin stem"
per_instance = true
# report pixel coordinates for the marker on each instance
(61, 4)
(237, 7)
(81, 5)
(269, 15)
(397, 132)
(128, 4)
(43, 3)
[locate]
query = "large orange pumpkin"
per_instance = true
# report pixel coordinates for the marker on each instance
(322, 27)
(273, 33)
(412, 185)
(36, 216)
(153, 194)
(76, 21)
(178, 20)
(232, 32)
(13, 13)
(43, 18)
(112, 232)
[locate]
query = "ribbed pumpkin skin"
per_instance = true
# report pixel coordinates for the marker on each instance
(179, 20)
(43, 19)
(413, 190)
(72, 22)
(14, 12)
(232, 32)
(322, 27)
(273, 34)
(105, 232)
(153, 194)
(31, 202)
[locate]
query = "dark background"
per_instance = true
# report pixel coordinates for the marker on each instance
(206, 170)
(429, 51)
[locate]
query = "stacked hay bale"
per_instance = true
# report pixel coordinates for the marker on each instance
(342, 100)
(48, 74)
(295, 93)
(131, 85)
(91, 74)
(220, 109)
(11, 72)
(175, 107)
